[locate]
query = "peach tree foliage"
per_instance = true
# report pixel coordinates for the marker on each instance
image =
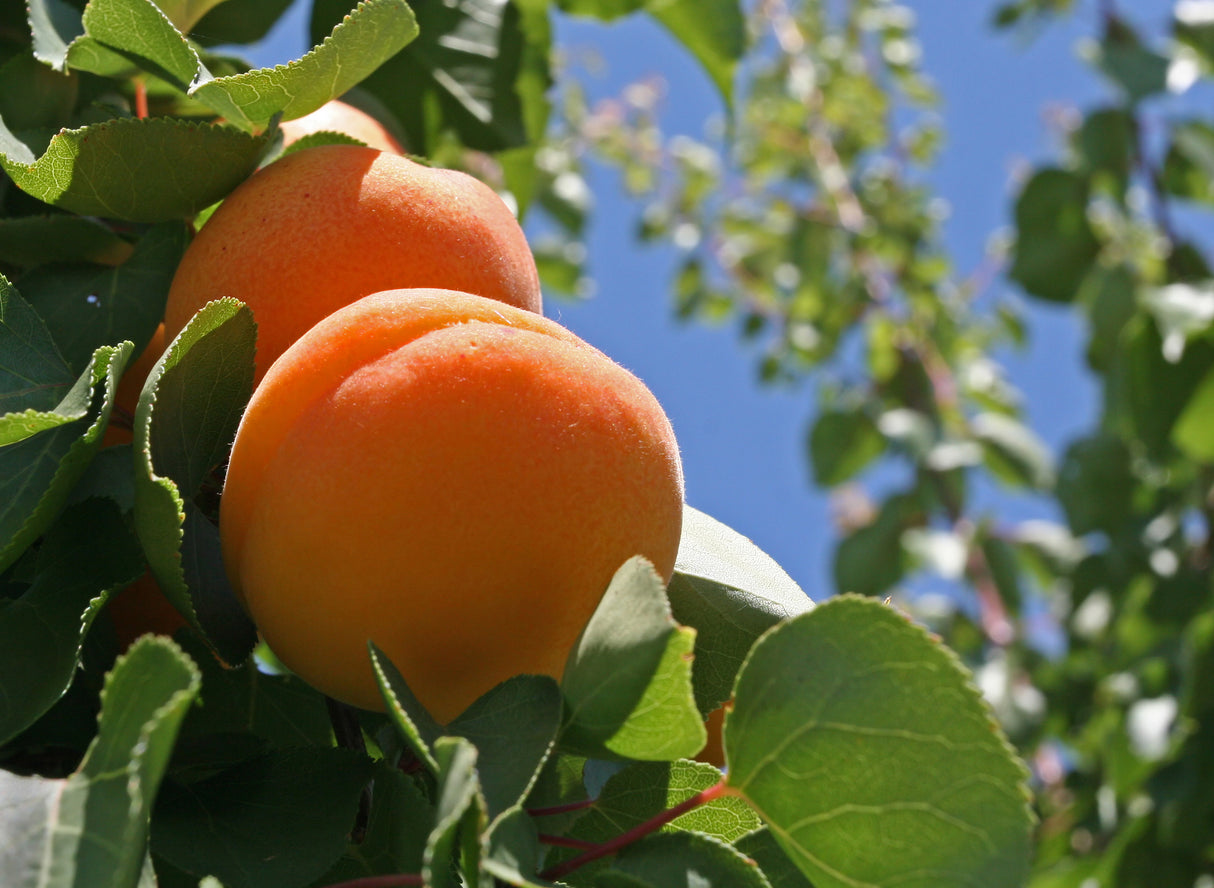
(811, 228)
(859, 751)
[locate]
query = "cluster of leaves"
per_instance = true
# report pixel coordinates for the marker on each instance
(812, 230)
(858, 750)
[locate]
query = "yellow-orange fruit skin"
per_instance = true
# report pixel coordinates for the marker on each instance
(713, 752)
(450, 478)
(337, 116)
(325, 226)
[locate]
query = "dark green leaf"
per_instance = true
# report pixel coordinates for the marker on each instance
(1107, 143)
(239, 21)
(841, 444)
(682, 860)
(44, 454)
(88, 553)
(1138, 71)
(87, 306)
(236, 824)
(761, 847)
(1055, 244)
(870, 560)
(513, 728)
(33, 374)
(714, 31)
(463, 71)
(28, 241)
(400, 820)
(627, 682)
(872, 758)
(1188, 168)
(1096, 484)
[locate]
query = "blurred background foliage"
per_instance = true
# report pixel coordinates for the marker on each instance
(808, 222)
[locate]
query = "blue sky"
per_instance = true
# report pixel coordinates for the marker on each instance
(743, 445)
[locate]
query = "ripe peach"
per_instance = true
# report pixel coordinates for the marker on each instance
(452, 478)
(338, 117)
(325, 226)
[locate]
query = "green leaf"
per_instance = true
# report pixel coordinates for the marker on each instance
(239, 21)
(841, 444)
(185, 13)
(1055, 243)
(871, 559)
(1194, 429)
(1147, 391)
(90, 831)
(87, 554)
(761, 847)
(714, 31)
(1138, 71)
(371, 34)
(458, 805)
(1096, 484)
(730, 592)
(399, 822)
(1188, 167)
(1110, 297)
(279, 710)
(235, 824)
(512, 849)
(872, 758)
(78, 171)
(87, 306)
(28, 241)
(627, 682)
(44, 453)
(682, 860)
(513, 728)
(184, 424)
(33, 375)
(414, 724)
(36, 101)
(641, 792)
(1013, 451)
(139, 31)
(1107, 144)
(463, 71)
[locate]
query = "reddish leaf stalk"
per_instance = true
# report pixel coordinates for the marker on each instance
(141, 99)
(637, 832)
(393, 880)
(561, 809)
(566, 842)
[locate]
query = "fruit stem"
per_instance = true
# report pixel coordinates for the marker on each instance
(637, 832)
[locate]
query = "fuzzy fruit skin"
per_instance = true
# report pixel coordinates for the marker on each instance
(338, 117)
(454, 479)
(325, 226)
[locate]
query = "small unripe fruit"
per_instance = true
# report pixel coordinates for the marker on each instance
(325, 226)
(454, 479)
